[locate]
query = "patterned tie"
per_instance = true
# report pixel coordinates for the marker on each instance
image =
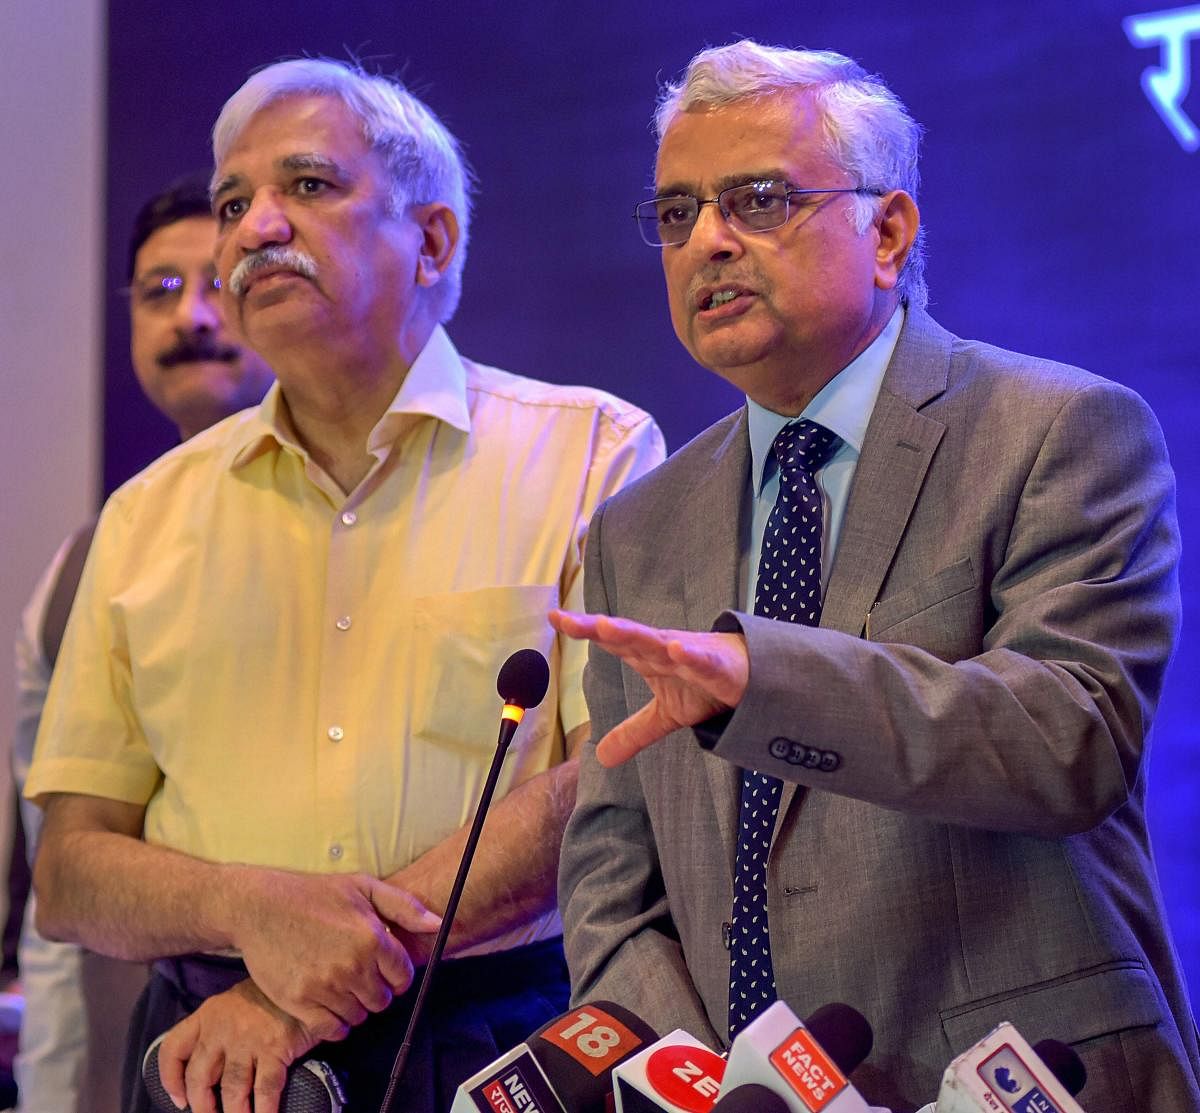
(789, 590)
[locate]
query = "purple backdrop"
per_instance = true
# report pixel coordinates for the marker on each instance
(1061, 210)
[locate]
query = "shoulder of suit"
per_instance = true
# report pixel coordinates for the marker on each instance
(680, 471)
(978, 369)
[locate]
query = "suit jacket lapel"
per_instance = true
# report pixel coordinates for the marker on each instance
(711, 566)
(897, 449)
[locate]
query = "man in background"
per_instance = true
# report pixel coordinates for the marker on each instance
(872, 719)
(276, 703)
(195, 372)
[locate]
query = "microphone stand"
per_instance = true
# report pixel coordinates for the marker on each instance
(508, 728)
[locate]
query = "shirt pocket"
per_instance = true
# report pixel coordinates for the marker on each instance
(460, 641)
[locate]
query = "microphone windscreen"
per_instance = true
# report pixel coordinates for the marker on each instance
(523, 679)
(844, 1034)
(1064, 1063)
(578, 1051)
(751, 1098)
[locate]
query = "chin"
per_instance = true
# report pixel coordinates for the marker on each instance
(280, 329)
(731, 344)
(734, 362)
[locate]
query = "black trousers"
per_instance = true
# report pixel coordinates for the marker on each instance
(477, 1009)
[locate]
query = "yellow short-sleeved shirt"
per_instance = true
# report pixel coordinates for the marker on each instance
(288, 676)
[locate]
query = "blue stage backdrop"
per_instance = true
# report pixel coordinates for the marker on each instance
(1060, 199)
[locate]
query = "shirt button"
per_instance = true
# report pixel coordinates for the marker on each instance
(336, 734)
(343, 623)
(349, 518)
(335, 851)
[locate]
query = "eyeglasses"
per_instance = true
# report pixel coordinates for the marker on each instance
(752, 207)
(160, 291)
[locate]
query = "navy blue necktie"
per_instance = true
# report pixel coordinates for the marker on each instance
(789, 590)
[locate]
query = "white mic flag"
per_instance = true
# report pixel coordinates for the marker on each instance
(1001, 1073)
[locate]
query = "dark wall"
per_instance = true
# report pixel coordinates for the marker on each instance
(1062, 213)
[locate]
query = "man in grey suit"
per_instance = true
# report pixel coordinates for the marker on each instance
(960, 836)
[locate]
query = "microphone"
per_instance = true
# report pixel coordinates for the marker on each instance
(751, 1098)
(311, 1087)
(804, 1063)
(565, 1065)
(522, 684)
(1003, 1074)
(677, 1074)
(1064, 1063)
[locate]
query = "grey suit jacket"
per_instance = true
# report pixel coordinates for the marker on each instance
(962, 836)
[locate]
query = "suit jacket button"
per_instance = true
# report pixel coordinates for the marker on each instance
(780, 748)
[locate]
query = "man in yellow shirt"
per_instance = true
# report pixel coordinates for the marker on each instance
(275, 704)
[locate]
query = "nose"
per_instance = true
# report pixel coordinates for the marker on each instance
(263, 223)
(712, 236)
(197, 309)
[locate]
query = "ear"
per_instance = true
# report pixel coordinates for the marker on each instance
(898, 222)
(439, 241)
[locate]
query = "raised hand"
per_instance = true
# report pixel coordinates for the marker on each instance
(692, 676)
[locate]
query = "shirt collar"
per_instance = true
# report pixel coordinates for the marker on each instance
(435, 386)
(843, 405)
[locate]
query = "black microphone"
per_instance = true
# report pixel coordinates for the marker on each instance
(565, 1064)
(522, 684)
(751, 1098)
(1064, 1063)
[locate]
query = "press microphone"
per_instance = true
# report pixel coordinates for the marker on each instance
(1064, 1063)
(751, 1098)
(805, 1063)
(522, 684)
(676, 1074)
(1003, 1074)
(564, 1067)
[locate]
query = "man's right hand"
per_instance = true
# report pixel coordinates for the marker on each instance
(691, 675)
(321, 947)
(236, 1041)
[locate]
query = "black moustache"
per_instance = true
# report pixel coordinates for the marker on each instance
(197, 351)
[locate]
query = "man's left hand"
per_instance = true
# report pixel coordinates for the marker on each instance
(237, 1040)
(693, 676)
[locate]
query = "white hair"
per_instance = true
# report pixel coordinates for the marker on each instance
(422, 157)
(868, 130)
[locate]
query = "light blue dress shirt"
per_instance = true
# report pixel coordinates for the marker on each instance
(844, 407)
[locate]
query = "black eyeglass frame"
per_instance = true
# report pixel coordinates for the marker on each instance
(645, 215)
